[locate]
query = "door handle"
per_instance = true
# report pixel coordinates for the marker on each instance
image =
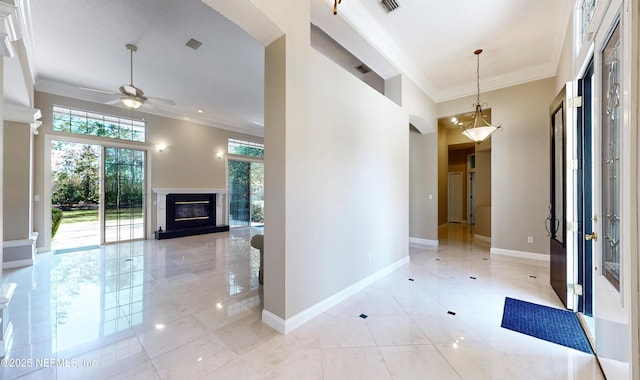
(591, 236)
(547, 219)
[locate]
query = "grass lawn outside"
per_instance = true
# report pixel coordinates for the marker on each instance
(76, 216)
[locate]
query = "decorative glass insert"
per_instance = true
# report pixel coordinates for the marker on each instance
(611, 126)
(558, 222)
(587, 10)
(96, 124)
(246, 148)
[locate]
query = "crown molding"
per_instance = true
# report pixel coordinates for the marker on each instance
(511, 79)
(9, 28)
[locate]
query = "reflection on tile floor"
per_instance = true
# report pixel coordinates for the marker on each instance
(189, 308)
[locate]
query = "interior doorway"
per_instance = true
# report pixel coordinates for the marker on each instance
(455, 197)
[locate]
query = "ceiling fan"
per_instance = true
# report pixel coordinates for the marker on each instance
(129, 95)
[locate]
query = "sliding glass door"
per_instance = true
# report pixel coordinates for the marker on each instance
(124, 185)
(246, 193)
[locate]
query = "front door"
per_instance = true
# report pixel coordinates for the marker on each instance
(585, 194)
(612, 206)
(556, 220)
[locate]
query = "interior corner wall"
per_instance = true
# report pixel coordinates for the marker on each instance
(519, 162)
(17, 174)
(275, 190)
(347, 186)
(423, 186)
(423, 161)
(343, 172)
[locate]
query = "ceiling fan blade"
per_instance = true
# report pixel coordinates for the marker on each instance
(113, 102)
(100, 91)
(166, 102)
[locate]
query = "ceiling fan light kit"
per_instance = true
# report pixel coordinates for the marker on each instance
(130, 97)
(131, 101)
(479, 130)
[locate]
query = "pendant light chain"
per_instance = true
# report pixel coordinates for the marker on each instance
(478, 77)
(477, 53)
(335, 6)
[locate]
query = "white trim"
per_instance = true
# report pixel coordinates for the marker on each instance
(21, 114)
(17, 264)
(486, 239)
(520, 254)
(286, 326)
(29, 250)
(423, 242)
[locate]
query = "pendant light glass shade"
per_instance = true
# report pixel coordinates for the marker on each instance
(479, 130)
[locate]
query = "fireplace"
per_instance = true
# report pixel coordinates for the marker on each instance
(185, 214)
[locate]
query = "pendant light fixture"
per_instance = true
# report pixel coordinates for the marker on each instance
(479, 129)
(335, 6)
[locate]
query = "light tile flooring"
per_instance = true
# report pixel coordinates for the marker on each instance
(190, 308)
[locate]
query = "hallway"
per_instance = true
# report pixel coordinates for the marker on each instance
(191, 308)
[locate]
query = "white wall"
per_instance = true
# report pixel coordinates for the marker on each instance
(519, 162)
(340, 173)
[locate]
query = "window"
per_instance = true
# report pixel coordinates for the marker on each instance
(246, 148)
(96, 124)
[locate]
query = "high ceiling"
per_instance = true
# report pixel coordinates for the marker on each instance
(80, 44)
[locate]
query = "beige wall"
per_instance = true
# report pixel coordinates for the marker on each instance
(519, 162)
(188, 161)
(275, 177)
(564, 72)
(17, 186)
(443, 169)
(423, 185)
(423, 167)
(483, 193)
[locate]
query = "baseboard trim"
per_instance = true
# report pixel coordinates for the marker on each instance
(17, 264)
(285, 326)
(423, 242)
(486, 239)
(520, 254)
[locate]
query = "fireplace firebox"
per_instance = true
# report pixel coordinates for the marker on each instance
(190, 214)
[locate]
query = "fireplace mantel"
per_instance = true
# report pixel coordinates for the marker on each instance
(222, 204)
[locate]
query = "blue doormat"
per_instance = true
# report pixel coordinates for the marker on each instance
(544, 322)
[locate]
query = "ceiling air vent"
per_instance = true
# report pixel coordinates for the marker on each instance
(363, 68)
(194, 44)
(390, 5)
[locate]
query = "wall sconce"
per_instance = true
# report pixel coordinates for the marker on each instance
(220, 155)
(161, 147)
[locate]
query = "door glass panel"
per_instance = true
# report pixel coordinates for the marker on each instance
(557, 225)
(257, 193)
(611, 120)
(239, 194)
(123, 194)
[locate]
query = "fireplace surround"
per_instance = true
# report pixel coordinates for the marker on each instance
(186, 212)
